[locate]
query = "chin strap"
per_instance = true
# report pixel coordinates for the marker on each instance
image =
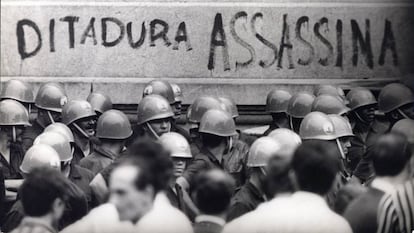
(81, 130)
(291, 123)
(360, 118)
(14, 133)
(30, 109)
(403, 114)
(50, 117)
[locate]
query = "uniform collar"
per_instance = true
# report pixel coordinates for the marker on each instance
(105, 153)
(210, 218)
(210, 155)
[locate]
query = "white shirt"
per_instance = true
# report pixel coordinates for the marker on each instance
(210, 218)
(102, 219)
(163, 218)
(300, 212)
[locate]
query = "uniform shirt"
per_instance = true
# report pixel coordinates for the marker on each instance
(208, 224)
(358, 144)
(396, 211)
(244, 201)
(34, 225)
(233, 163)
(30, 134)
(163, 218)
(82, 177)
(78, 154)
(97, 160)
(12, 170)
(182, 201)
(299, 212)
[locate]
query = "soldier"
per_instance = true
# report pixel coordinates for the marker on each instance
(329, 104)
(42, 156)
(194, 113)
(49, 101)
(177, 108)
(100, 103)
(154, 118)
(13, 120)
(216, 130)
(79, 116)
(396, 102)
(113, 129)
(363, 106)
(276, 104)
(299, 106)
(181, 156)
(20, 91)
(252, 192)
(79, 176)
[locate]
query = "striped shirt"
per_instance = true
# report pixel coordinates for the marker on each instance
(396, 212)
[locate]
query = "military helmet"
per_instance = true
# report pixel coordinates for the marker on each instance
(229, 106)
(200, 106)
(394, 96)
(160, 87)
(176, 144)
(153, 107)
(38, 156)
(178, 94)
(262, 150)
(317, 125)
(75, 110)
(217, 122)
(99, 102)
(113, 124)
(51, 96)
(360, 97)
(58, 142)
(288, 139)
(62, 129)
(17, 90)
(300, 105)
(342, 126)
(277, 101)
(13, 113)
(405, 127)
(329, 104)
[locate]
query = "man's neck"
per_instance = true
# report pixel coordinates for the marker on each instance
(5, 148)
(281, 122)
(82, 143)
(112, 148)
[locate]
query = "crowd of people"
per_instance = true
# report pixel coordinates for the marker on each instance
(329, 161)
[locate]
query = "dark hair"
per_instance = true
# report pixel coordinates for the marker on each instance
(390, 154)
(154, 164)
(316, 164)
(277, 178)
(212, 191)
(211, 140)
(40, 189)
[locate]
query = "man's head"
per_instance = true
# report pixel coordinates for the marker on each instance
(315, 164)
(397, 102)
(80, 117)
(49, 101)
(44, 193)
(212, 191)
(135, 182)
(13, 118)
(390, 154)
(179, 150)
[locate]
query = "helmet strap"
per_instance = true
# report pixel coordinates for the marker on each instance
(338, 143)
(14, 136)
(52, 121)
(30, 109)
(403, 114)
(81, 130)
(360, 118)
(152, 131)
(291, 123)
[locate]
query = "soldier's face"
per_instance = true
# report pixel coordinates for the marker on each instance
(176, 107)
(130, 202)
(88, 126)
(367, 113)
(161, 126)
(345, 144)
(179, 166)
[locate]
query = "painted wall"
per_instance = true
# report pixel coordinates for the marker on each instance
(241, 50)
